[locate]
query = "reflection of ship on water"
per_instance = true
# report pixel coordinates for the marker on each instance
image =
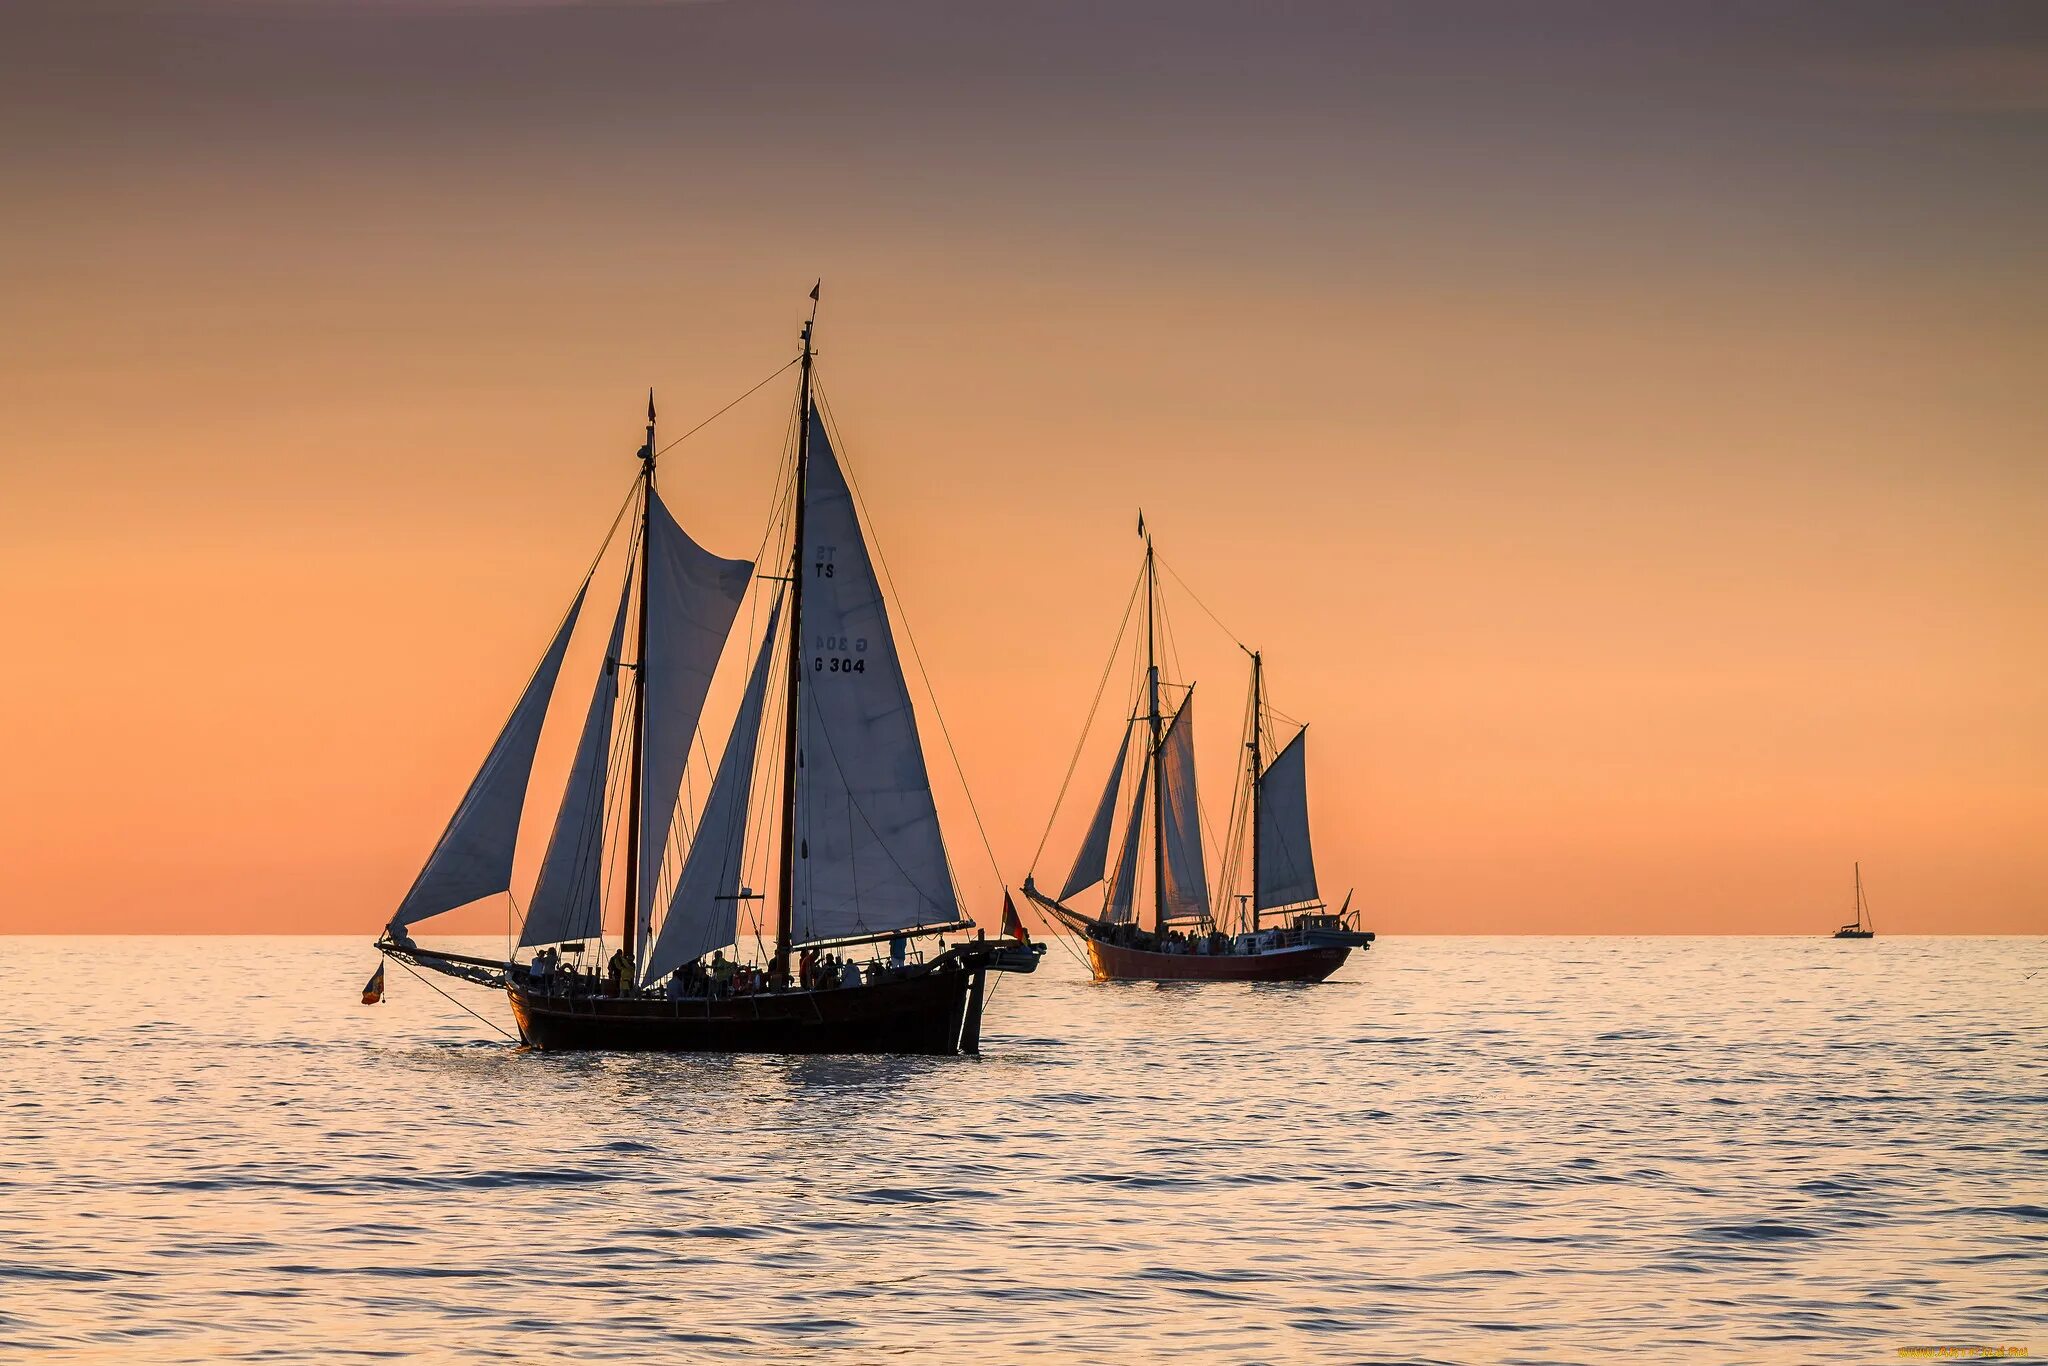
(843, 801)
(1282, 930)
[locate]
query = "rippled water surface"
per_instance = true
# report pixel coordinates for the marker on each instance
(1458, 1150)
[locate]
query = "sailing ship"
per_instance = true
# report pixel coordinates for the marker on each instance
(1860, 927)
(851, 823)
(1282, 930)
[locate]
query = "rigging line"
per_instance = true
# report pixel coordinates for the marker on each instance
(575, 602)
(761, 796)
(1204, 606)
(874, 540)
(452, 1001)
(755, 817)
(681, 836)
(726, 409)
(1089, 724)
(584, 854)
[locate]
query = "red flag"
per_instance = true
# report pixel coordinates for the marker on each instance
(373, 990)
(1013, 924)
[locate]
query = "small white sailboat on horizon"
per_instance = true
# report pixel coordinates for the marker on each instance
(1861, 927)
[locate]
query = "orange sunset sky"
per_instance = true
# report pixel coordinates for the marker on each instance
(1622, 427)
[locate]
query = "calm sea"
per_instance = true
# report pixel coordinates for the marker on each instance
(1459, 1150)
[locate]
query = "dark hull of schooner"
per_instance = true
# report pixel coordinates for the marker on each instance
(1851, 932)
(1122, 963)
(934, 1009)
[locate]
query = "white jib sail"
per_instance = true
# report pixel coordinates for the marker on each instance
(1125, 885)
(566, 899)
(1287, 866)
(704, 913)
(692, 598)
(870, 858)
(1090, 863)
(1187, 883)
(474, 856)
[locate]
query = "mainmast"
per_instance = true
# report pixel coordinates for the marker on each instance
(785, 915)
(1859, 894)
(1257, 718)
(639, 726)
(1158, 792)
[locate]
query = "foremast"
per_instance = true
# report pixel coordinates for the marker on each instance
(1153, 759)
(785, 915)
(638, 710)
(1258, 730)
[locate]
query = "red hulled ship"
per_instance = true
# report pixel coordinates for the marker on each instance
(1280, 930)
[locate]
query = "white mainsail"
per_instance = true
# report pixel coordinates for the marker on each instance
(1125, 885)
(692, 598)
(1287, 868)
(1187, 883)
(567, 898)
(1093, 859)
(704, 913)
(870, 858)
(474, 856)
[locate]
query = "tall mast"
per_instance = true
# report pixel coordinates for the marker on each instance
(639, 726)
(1257, 717)
(1158, 793)
(785, 915)
(1859, 893)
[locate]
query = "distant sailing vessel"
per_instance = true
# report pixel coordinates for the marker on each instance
(858, 854)
(1283, 931)
(1860, 927)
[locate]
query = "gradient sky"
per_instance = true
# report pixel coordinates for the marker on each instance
(1622, 426)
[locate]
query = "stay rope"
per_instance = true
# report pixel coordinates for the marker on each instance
(452, 1001)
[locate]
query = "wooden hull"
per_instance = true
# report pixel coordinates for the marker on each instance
(1119, 963)
(933, 1012)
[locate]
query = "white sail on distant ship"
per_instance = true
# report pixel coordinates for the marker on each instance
(1284, 932)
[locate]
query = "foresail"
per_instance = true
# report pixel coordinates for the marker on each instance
(1091, 863)
(1287, 868)
(1187, 882)
(1124, 886)
(870, 858)
(692, 598)
(704, 913)
(474, 856)
(566, 900)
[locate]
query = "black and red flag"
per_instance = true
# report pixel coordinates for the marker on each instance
(1013, 924)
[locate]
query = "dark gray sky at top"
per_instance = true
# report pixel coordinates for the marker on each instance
(1299, 99)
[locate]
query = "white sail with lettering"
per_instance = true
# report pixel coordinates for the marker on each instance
(869, 857)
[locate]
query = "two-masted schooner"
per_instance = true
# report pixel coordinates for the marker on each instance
(840, 800)
(1861, 927)
(1281, 930)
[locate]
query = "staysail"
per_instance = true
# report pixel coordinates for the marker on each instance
(1090, 863)
(704, 913)
(567, 898)
(474, 856)
(1287, 867)
(692, 598)
(1125, 885)
(870, 859)
(1187, 882)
